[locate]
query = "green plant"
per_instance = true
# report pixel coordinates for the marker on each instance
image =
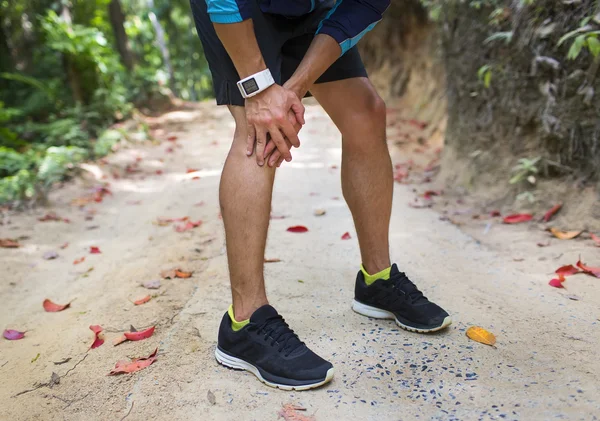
(484, 74)
(526, 169)
(584, 36)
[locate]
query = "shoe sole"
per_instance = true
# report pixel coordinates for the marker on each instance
(239, 364)
(377, 313)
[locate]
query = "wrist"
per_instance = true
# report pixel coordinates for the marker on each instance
(251, 67)
(298, 86)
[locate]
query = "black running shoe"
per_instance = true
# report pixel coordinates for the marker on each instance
(270, 350)
(399, 299)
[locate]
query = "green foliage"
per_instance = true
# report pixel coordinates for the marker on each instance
(584, 36)
(525, 170)
(484, 75)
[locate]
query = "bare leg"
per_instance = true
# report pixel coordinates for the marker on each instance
(245, 195)
(367, 175)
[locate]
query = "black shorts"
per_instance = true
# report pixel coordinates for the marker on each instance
(283, 43)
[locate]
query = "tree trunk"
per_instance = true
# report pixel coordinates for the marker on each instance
(73, 74)
(162, 45)
(117, 19)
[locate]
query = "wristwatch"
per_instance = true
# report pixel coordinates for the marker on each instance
(255, 83)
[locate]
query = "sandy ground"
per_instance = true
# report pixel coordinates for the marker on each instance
(544, 366)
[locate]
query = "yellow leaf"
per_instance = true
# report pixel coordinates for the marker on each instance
(319, 212)
(481, 335)
(564, 235)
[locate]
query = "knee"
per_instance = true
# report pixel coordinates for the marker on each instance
(366, 124)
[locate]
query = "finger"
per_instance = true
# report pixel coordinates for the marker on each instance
(261, 140)
(270, 148)
(292, 119)
(279, 161)
(250, 140)
(298, 110)
(290, 133)
(280, 143)
(275, 157)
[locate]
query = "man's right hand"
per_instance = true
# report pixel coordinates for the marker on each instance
(267, 112)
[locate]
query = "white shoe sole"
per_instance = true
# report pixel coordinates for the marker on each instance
(377, 313)
(236, 363)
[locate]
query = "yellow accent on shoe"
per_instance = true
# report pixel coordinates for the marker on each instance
(369, 279)
(235, 325)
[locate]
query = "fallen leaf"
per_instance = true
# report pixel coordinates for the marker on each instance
(297, 229)
(346, 236)
(495, 213)
(169, 150)
(163, 222)
(191, 170)
(596, 239)
(548, 215)
(188, 226)
(543, 244)
(211, 398)
(61, 362)
(152, 284)
(142, 300)
(13, 335)
(78, 261)
(572, 297)
(138, 336)
(51, 307)
(275, 260)
(34, 359)
(565, 235)
(199, 203)
(119, 340)
(590, 270)
(172, 138)
(64, 246)
(182, 274)
(134, 365)
(566, 270)
(97, 329)
(481, 335)
(290, 412)
(517, 218)
(320, 212)
(50, 255)
(174, 273)
(7, 243)
(278, 217)
(557, 282)
(95, 250)
(419, 205)
(50, 216)
(428, 195)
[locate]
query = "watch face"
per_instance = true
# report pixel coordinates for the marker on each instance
(250, 86)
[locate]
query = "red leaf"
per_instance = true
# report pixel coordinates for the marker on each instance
(196, 178)
(7, 243)
(138, 336)
(191, 170)
(142, 300)
(297, 229)
(596, 239)
(97, 329)
(95, 250)
(566, 270)
(557, 282)
(119, 340)
(136, 364)
(78, 261)
(495, 213)
(346, 236)
(169, 150)
(418, 124)
(172, 138)
(199, 204)
(188, 226)
(517, 218)
(182, 274)
(429, 193)
(51, 307)
(548, 215)
(50, 216)
(13, 335)
(590, 270)
(64, 246)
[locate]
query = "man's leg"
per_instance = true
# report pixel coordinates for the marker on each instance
(367, 179)
(381, 291)
(245, 195)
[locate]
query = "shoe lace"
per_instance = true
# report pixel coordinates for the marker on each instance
(276, 329)
(401, 284)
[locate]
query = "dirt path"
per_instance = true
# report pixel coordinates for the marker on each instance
(544, 366)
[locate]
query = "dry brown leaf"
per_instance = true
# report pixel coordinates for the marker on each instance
(320, 212)
(565, 235)
(479, 334)
(274, 260)
(291, 412)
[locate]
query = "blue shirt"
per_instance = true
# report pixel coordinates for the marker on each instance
(347, 22)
